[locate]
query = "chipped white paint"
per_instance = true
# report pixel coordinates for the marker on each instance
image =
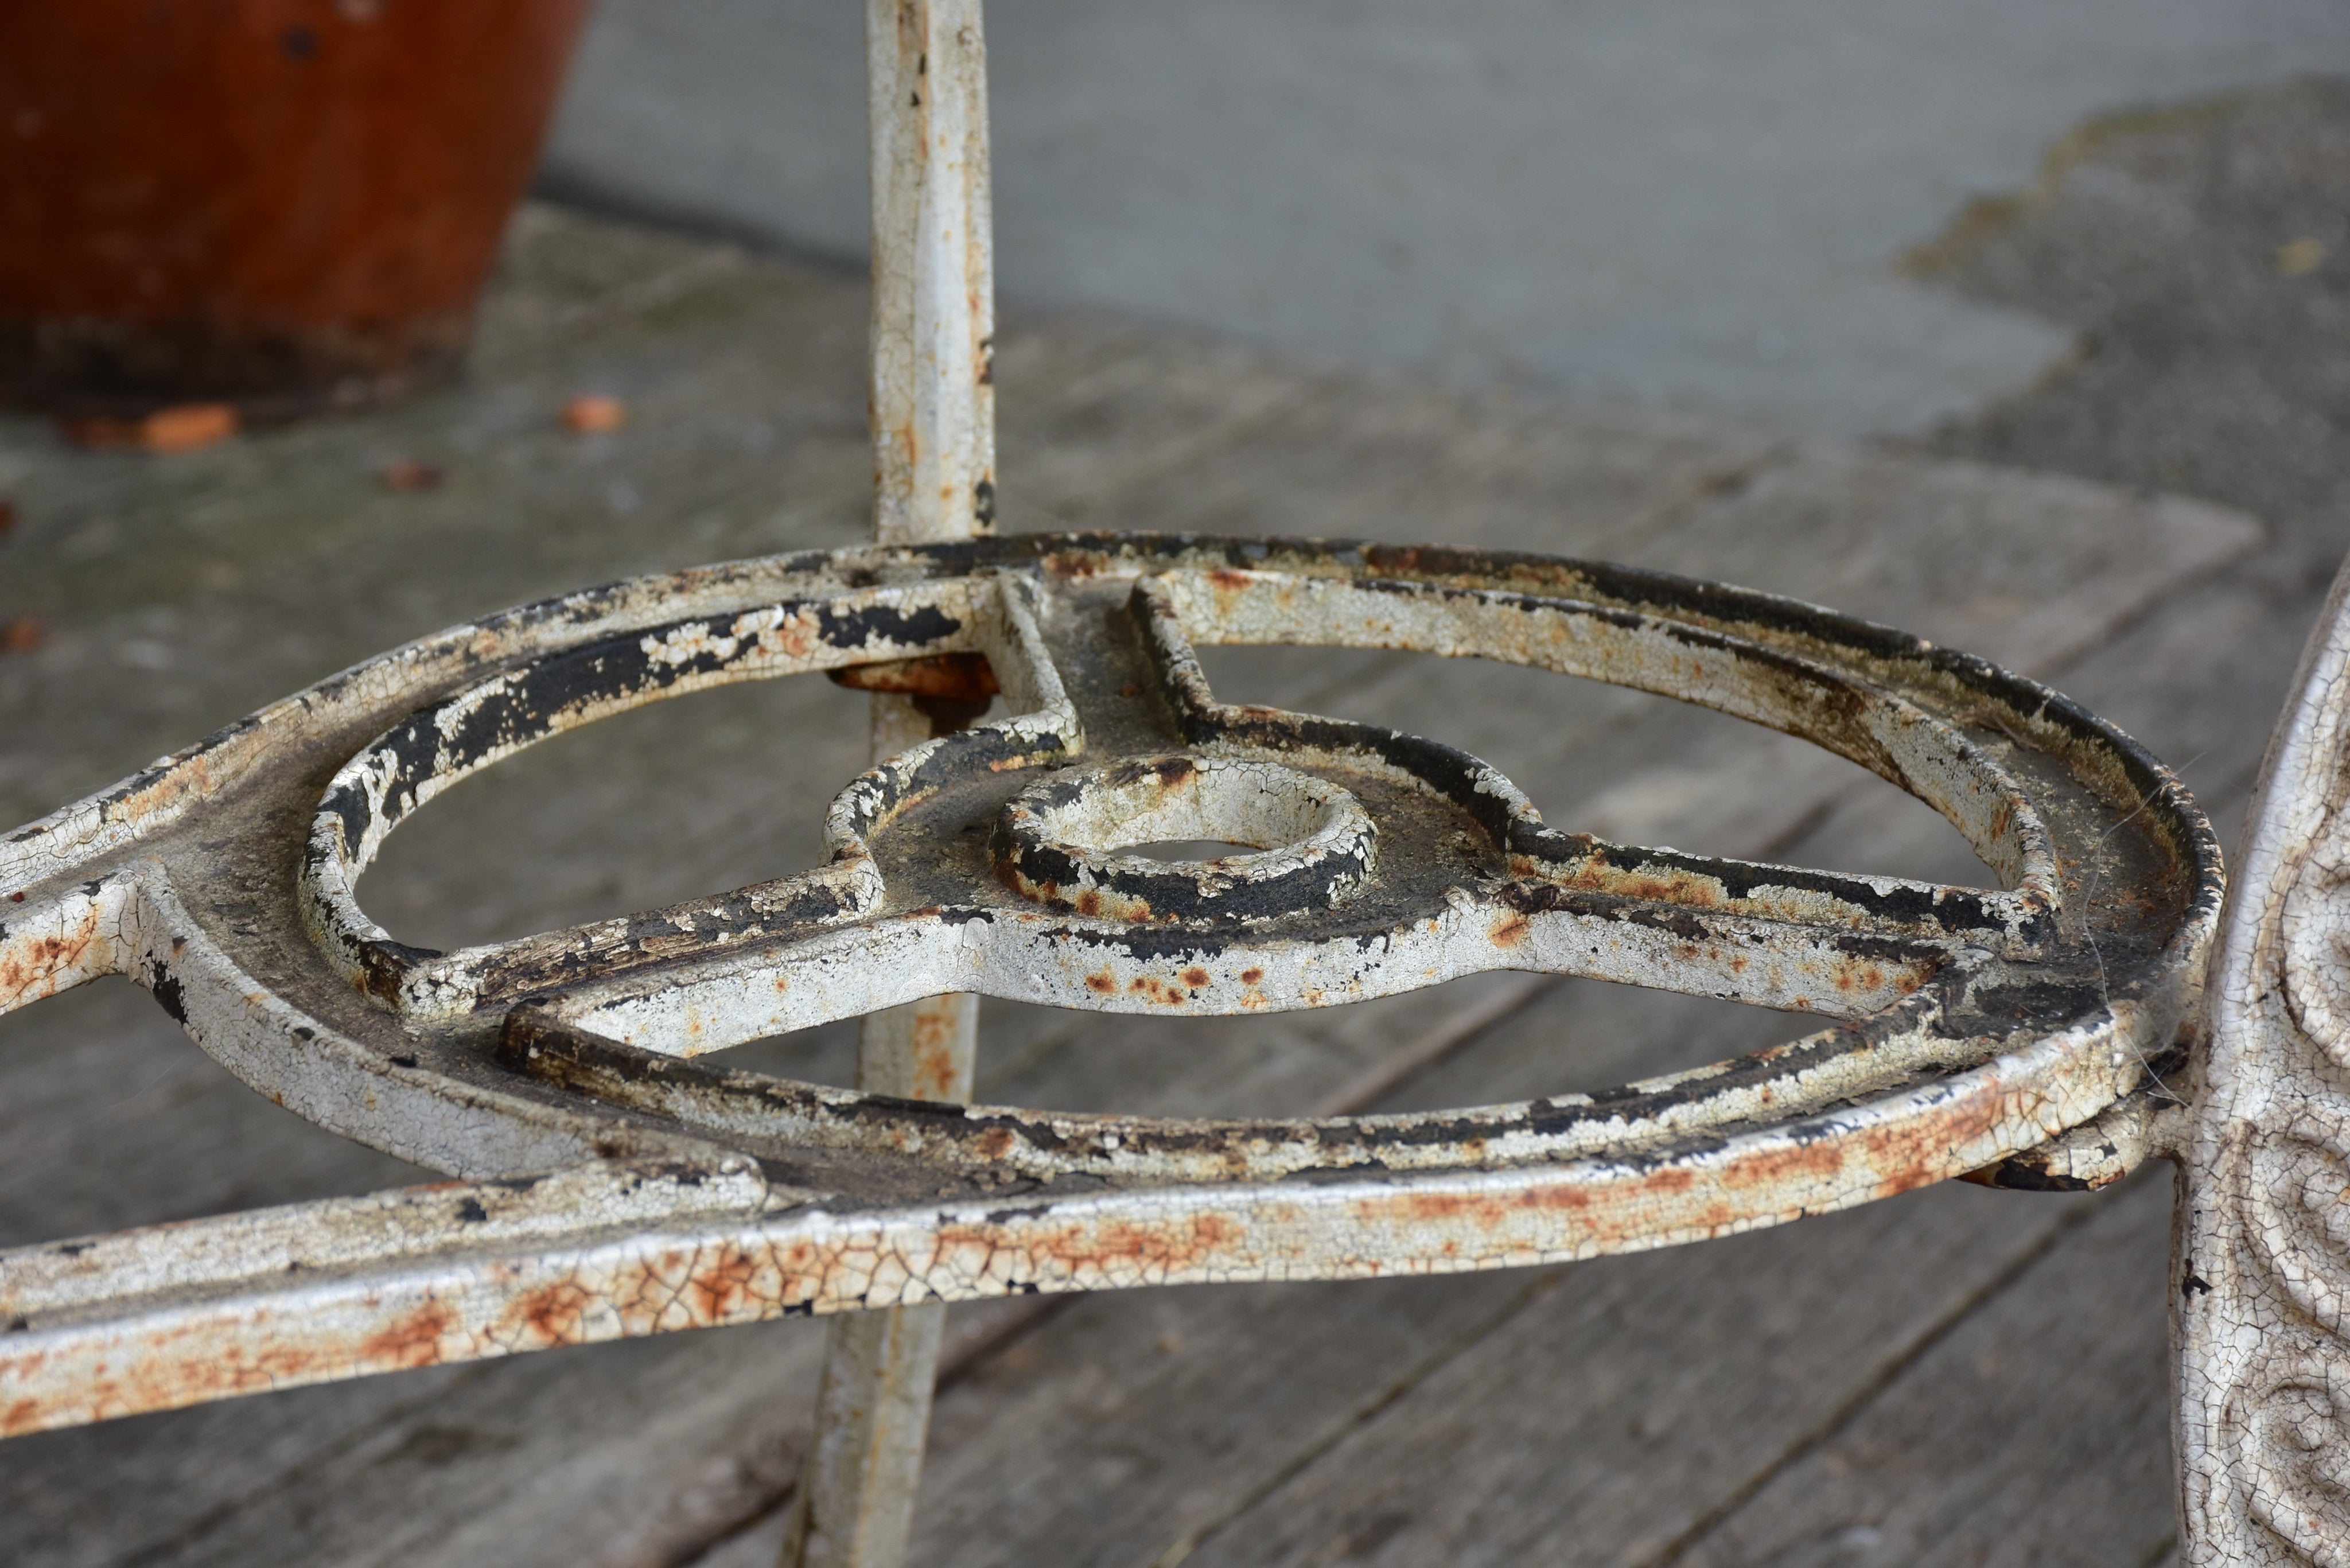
(933, 430)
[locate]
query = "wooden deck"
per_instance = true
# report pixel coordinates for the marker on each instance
(1957, 1376)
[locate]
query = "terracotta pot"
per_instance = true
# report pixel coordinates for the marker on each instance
(282, 204)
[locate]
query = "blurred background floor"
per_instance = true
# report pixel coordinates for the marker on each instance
(1691, 205)
(1957, 1376)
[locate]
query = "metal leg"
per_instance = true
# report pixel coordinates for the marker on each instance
(933, 414)
(855, 1498)
(2260, 1270)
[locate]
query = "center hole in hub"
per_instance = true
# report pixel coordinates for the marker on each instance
(1183, 849)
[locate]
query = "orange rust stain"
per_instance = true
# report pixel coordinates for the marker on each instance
(1802, 1162)
(553, 1313)
(993, 1144)
(24, 1416)
(37, 963)
(414, 1340)
(1906, 1158)
(1672, 1178)
(1227, 586)
(1101, 983)
(935, 1075)
(1683, 887)
(1487, 1212)
(1251, 976)
(1159, 990)
(1174, 1247)
(1089, 902)
(720, 1290)
(1511, 931)
(1195, 978)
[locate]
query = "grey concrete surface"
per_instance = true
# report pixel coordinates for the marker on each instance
(1679, 204)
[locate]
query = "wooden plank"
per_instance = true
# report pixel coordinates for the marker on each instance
(2036, 1432)
(1588, 1428)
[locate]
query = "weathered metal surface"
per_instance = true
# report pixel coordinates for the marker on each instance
(1969, 1025)
(2262, 1269)
(933, 428)
(933, 380)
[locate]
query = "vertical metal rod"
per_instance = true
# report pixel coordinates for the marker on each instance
(933, 420)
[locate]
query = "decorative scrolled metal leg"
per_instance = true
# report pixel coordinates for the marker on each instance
(2261, 1271)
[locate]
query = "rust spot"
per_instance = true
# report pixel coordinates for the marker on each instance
(1800, 1163)
(414, 1340)
(1120, 1247)
(1511, 931)
(957, 677)
(553, 1313)
(937, 1075)
(1251, 976)
(993, 1144)
(1102, 983)
(721, 1290)
(1672, 1178)
(24, 1416)
(32, 967)
(1917, 1156)
(1195, 978)
(1089, 902)
(1486, 1211)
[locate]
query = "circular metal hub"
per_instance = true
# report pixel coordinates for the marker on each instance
(1056, 841)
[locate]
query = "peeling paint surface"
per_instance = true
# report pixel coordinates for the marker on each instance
(615, 1176)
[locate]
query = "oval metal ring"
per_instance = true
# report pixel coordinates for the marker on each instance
(1968, 1022)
